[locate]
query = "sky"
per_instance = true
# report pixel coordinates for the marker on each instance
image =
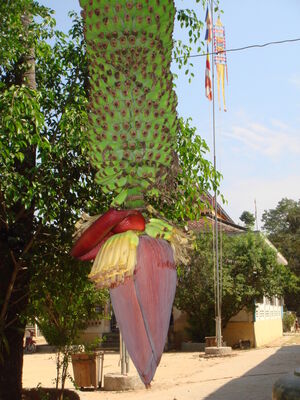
(258, 138)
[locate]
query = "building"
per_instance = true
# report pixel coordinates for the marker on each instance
(258, 328)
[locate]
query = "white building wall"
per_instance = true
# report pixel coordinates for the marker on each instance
(269, 309)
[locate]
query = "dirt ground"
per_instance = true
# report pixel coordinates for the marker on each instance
(246, 375)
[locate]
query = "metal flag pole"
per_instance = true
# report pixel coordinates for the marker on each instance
(218, 305)
(255, 210)
(124, 357)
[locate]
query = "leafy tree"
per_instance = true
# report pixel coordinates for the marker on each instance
(62, 301)
(250, 270)
(46, 180)
(184, 195)
(248, 218)
(282, 219)
(282, 225)
(195, 289)
(45, 176)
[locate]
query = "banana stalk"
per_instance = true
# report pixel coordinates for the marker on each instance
(132, 107)
(132, 134)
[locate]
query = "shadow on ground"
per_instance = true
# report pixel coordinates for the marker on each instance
(257, 383)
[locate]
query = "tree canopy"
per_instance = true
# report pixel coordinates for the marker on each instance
(250, 271)
(282, 224)
(248, 218)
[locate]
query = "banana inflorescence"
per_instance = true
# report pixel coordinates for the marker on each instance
(132, 133)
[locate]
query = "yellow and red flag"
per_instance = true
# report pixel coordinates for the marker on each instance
(208, 89)
(208, 33)
(208, 38)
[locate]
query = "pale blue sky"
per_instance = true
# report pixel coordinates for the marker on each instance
(258, 139)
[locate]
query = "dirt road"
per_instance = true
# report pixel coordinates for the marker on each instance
(246, 375)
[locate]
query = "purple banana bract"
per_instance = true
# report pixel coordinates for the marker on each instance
(143, 305)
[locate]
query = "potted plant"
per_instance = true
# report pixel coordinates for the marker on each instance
(87, 364)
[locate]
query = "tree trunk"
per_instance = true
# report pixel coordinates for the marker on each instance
(29, 58)
(10, 387)
(11, 370)
(14, 265)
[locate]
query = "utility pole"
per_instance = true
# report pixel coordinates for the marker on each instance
(255, 208)
(217, 264)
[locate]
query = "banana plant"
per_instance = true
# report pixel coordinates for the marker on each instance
(132, 133)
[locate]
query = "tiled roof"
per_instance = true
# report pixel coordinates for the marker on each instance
(220, 211)
(207, 223)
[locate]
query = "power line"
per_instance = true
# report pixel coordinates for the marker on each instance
(245, 47)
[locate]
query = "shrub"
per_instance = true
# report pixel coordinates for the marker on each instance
(288, 321)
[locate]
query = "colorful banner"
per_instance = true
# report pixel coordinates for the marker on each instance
(219, 46)
(208, 33)
(208, 38)
(208, 89)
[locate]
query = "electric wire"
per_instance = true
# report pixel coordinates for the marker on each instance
(243, 48)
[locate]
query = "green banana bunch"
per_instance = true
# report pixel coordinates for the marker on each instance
(132, 106)
(181, 242)
(159, 229)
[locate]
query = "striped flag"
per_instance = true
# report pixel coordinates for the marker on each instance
(208, 90)
(208, 33)
(220, 59)
(208, 38)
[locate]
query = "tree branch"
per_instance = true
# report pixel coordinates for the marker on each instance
(50, 307)
(19, 299)
(30, 243)
(10, 286)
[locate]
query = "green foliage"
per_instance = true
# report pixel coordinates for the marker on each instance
(62, 301)
(52, 121)
(184, 196)
(13, 39)
(285, 218)
(248, 218)
(282, 225)
(46, 180)
(250, 270)
(195, 290)
(288, 321)
(193, 27)
(196, 175)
